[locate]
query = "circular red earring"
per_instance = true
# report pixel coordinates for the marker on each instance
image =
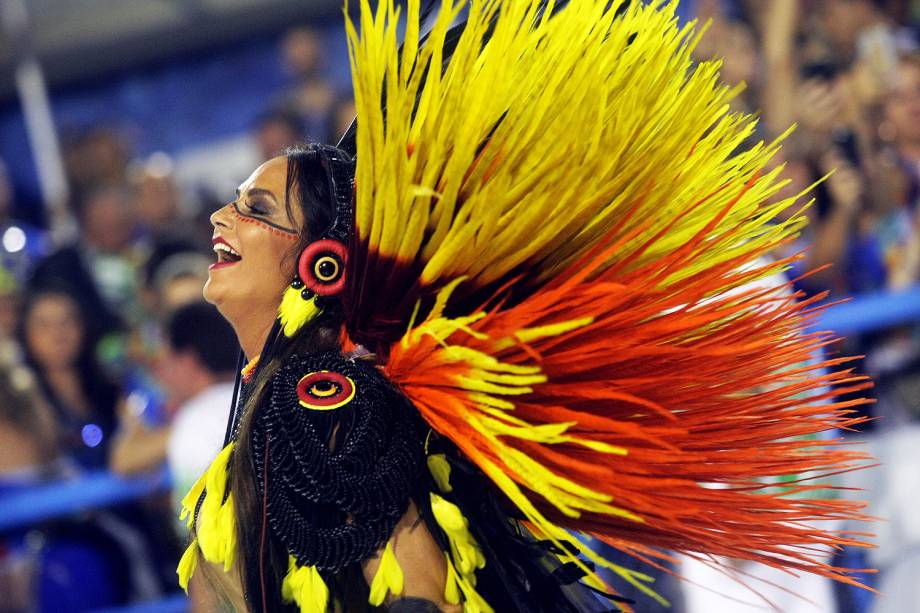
(321, 267)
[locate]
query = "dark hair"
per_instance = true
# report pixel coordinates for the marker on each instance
(308, 186)
(98, 388)
(199, 328)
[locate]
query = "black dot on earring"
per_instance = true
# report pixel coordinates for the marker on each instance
(306, 294)
(327, 269)
(297, 283)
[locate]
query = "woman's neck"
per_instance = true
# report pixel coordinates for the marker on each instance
(252, 335)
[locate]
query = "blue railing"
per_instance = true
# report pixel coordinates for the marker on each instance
(93, 491)
(873, 312)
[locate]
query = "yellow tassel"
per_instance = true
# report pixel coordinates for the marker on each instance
(465, 551)
(226, 525)
(451, 587)
(216, 528)
(294, 311)
(190, 500)
(464, 558)
(440, 470)
(304, 586)
(389, 578)
(187, 565)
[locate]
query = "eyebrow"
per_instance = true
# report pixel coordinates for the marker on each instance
(258, 191)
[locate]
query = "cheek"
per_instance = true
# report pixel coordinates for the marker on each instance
(268, 259)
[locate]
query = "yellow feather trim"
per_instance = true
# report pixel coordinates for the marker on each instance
(294, 312)
(187, 565)
(216, 528)
(464, 558)
(190, 500)
(388, 579)
(440, 470)
(464, 549)
(304, 586)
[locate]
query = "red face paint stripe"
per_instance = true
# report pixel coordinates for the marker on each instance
(273, 230)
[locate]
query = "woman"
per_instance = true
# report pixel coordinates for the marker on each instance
(53, 335)
(525, 312)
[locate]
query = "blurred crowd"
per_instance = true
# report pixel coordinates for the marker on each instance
(109, 358)
(110, 361)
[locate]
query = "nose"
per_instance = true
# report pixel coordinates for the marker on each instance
(221, 218)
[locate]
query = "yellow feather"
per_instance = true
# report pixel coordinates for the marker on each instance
(216, 530)
(294, 312)
(304, 586)
(661, 139)
(388, 579)
(440, 470)
(187, 565)
(190, 500)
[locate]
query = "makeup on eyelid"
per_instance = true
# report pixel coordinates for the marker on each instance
(288, 233)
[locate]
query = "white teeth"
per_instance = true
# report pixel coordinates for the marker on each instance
(226, 248)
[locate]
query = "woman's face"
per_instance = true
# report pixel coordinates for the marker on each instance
(253, 235)
(54, 331)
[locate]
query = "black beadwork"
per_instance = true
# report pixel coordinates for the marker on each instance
(297, 283)
(306, 294)
(338, 481)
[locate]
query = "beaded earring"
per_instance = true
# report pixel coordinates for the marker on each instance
(320, 276)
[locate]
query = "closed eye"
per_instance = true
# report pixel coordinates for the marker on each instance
(257, 208)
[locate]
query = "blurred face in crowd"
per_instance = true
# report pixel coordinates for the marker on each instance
(179, 372)
(738, 50)
(843, 20)
(302, 52)
(156, 201)
(180, 291)
(902, 107)
(54, 331)
(253, 240)
(275, 135)
(106, 221)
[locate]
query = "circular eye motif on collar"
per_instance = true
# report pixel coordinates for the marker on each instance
(321, 267)
(325, 390)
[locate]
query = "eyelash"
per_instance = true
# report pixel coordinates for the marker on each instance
(256, 209)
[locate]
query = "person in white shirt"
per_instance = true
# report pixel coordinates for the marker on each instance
(197, 373)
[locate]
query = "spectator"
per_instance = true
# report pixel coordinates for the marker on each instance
(310, 96)
(179, 280)
(94, 157)
(157, 199)
(99, 271)
(277, 130)
(900, 126)
(54, 335)
(196, 370)
(28, 432)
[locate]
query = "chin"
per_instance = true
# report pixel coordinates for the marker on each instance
(207, 292)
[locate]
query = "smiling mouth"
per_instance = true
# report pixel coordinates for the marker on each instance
(226, 255)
